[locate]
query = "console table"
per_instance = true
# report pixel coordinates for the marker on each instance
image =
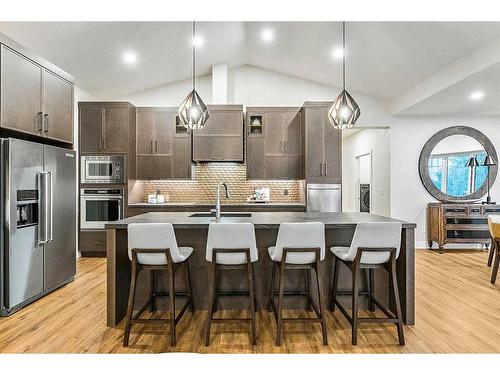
(458, 223)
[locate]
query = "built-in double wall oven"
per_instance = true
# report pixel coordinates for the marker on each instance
(99, 206)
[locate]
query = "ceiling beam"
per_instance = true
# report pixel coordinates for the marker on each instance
(471, 63)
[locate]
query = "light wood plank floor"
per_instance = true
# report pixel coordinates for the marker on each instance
(458, 311)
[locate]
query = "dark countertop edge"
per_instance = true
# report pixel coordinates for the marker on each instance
(173, 204)
(257, 226)
(194, 225)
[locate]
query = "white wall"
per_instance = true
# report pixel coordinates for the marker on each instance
(253, 86)
(172, 94)
(378, 143)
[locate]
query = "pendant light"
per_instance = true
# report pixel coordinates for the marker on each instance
(345, 111)
(193, 113)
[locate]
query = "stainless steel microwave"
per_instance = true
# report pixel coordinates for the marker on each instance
(101, 169)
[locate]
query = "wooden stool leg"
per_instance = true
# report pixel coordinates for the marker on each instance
(130, 306)
(216, 290)
(171, 295)
(152, 307)
(371, 289)
(494, 271)
(493, 249)
(321, 303)
(211, 300)
(251, 289)
(355, 304)
(189, 287)
(308, 286)
(254, 294)
(336, 263)
(279, 323)
(395, 290)
(273, 272)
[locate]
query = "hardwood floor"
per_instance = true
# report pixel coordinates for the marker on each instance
(457, 312)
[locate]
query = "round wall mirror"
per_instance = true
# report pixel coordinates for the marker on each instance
(451, 164)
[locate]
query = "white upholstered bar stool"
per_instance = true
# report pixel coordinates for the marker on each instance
(153, 247)
(298, 246)
(231, 246)
(374, 245)
(494, 226)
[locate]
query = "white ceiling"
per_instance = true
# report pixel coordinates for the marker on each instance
(385, 59)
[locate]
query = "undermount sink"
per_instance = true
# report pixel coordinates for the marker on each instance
(223, 214)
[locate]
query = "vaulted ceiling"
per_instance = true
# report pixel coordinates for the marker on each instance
(397, 61)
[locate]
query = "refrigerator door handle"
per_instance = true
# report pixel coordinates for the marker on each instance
(50, 209)
(42, 218)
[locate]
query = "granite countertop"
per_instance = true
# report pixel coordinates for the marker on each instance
(191, 204)
(259, 219)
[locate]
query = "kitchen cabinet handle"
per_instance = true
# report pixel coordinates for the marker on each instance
(40, 122)
(151, 147)
(156, 147)
(46, 118)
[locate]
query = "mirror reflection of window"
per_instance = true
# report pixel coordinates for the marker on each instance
(448, 165)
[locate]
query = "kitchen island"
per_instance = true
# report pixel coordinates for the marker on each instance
(192, 231)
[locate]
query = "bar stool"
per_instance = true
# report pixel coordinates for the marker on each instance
(153, 247)
(494, 226)
(231, 246)
(374, 245)
(298, 246)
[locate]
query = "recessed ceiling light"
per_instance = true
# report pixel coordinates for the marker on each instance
(129, 58)
(337, 53)
(267, 35)
(198, 41)
(476, 95)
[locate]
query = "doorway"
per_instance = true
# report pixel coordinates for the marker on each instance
(363, 182)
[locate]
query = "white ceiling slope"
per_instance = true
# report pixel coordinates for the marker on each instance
(389, 60)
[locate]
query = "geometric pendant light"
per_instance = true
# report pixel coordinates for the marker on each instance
(193, 113)
(345, 111)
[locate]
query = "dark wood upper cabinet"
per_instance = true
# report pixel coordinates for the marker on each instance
(21, 89)
(58, 107)
(106, 127)
(34, 100)
(323, 146)
(163, 148)
(274, 143)
(154, 167)
(90, 125)
(115, 130)
(222, 137)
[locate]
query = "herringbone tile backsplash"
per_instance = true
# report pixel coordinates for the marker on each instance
(201, 189)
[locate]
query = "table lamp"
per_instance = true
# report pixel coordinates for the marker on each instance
(489, 161)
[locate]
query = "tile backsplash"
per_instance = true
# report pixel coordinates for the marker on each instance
(201, 189)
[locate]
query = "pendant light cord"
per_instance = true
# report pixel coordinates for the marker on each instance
(343, 55)
(194, 55)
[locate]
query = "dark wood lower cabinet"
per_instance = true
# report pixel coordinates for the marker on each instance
(92, 243)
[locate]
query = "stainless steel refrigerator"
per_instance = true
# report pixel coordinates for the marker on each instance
(38, 221)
